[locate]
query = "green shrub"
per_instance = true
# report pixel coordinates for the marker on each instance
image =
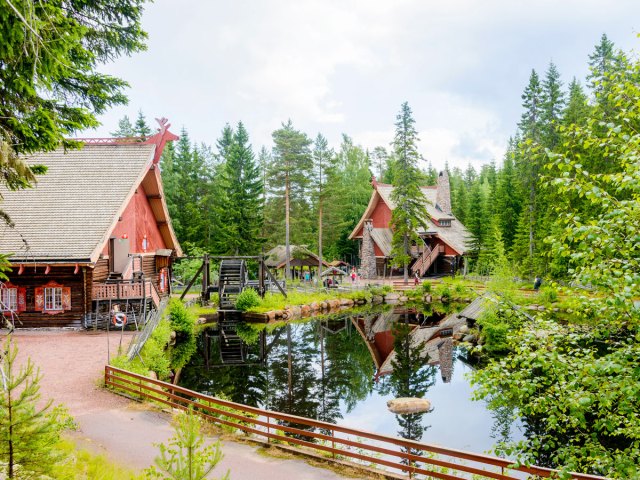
(86, 465)
(380, 290)
(215, 299)
(548, 294)
(445, 295)
(183, 323)
(247, 299)
(426, 287)
(497, 323)
(360, 295)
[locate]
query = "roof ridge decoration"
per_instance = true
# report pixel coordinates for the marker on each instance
(161, 138)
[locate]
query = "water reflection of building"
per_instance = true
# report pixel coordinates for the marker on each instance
(435, 341)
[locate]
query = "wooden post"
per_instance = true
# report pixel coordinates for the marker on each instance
(261, 286)
(205, 278)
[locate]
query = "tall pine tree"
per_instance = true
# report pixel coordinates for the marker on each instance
(289, 179)
(240, 211)
(410, 211)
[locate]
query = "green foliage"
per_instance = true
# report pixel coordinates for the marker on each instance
(548, 295)
(497, 324)
(84, 465)
(155, 356)
(380, 290)
(576, 386)
(187, 457)
(51, 53)
(410, 211)
(358, 295)
(248, 333)
(28, 433)
(426, 287)
(183, 323)
(289, 178)
(240, 203)
(247, 299)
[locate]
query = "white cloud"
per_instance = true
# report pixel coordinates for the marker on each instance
(335, 66)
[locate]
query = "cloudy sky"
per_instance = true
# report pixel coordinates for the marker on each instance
(345, 66)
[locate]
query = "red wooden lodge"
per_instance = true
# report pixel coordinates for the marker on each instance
(93, 237)
(443, 240)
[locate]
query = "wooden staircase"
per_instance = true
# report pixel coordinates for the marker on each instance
(232, 348)
(422, 264)
(232, 280)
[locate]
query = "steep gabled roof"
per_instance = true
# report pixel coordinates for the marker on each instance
(73, 208)
(455, 235)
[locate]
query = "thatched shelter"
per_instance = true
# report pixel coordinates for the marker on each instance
(301, 259)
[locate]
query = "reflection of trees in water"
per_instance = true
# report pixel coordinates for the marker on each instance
(246, 384)
(313, 368)
(411, 376)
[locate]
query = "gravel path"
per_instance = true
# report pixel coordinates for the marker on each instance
(72, 365)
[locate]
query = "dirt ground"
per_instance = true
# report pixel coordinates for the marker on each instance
(72, 365)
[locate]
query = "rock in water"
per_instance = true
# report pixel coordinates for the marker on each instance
(408, 405)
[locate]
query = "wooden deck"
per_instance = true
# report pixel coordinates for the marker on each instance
(125, 290)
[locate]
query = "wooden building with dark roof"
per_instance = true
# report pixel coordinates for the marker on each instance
(93, 231)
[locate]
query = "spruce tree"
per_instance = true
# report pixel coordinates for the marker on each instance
(141, 127)
(507, 200)
(241, 207)
(410, 211)
(476, 220)
(125, 128)
(529, 156)
(28, 433)
(552, 107)
(577, 108)
(602, 61)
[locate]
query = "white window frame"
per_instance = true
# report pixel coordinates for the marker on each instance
(9, 299)
(52, 299)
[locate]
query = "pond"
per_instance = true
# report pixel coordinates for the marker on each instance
(345, 368)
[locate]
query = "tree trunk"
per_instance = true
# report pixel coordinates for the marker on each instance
(287, 270)
(406, 262)
(320, 241)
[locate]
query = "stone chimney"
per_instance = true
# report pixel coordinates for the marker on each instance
(443, 193)
(367, 254)
(445, 352)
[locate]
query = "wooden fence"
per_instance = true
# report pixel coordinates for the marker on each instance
(395, 455)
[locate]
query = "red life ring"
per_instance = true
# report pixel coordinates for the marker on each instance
(119, 320)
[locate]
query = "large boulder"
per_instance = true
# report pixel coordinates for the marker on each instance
(377, 299)
(405, 405)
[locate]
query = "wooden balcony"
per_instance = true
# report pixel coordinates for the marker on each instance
(125, 290)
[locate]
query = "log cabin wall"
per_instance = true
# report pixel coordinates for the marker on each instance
(79, 283)
(101, 270)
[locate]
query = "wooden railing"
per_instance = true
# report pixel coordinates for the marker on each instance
(426, 260)
(127, 289)
(336, 441)
(152, 292)
(118, 290)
